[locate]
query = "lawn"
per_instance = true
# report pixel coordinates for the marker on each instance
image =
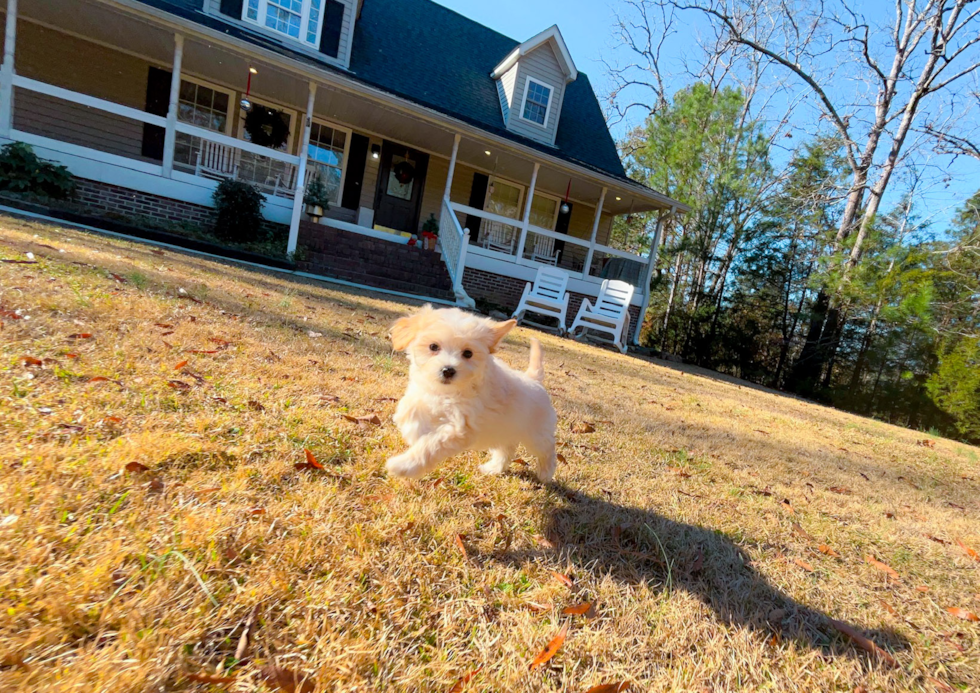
(160, 522)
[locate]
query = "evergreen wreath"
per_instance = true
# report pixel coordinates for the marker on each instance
(404, 172)
(266, 127)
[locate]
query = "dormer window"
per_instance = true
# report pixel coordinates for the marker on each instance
(298, 19)
(537, 102)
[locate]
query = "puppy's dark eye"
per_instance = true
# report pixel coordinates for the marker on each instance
(433, 347)
(467, 354)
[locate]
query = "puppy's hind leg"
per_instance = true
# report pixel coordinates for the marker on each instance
(499, 460)
(547, 459)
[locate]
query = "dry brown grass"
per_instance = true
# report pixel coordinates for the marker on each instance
(670, 517)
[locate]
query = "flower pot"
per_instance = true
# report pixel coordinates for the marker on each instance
(314, 211)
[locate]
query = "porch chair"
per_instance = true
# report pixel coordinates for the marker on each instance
(498, 236)
(547, 296)
(610, 314)
(216, 161)
(544, 250)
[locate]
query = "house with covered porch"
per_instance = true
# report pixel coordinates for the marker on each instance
(411, 114)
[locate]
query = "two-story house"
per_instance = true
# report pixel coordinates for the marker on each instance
(407, 111)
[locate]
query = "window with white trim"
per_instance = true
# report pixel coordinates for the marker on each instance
(328, 155)
(537, 102)
(298, 19)
(204, 106)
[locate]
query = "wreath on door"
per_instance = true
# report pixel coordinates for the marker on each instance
(404, 172)
(267, 127)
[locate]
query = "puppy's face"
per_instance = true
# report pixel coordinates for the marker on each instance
(448, 349)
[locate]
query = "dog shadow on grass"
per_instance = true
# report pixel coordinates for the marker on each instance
(636, 546)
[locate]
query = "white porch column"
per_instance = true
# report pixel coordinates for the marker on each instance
(449, 176)
(304, 153)
(651, 265)
(7, 71)
(595, 232)
(170, 138)
(527, 212)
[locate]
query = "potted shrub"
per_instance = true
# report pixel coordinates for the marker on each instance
(430, 232)
(316, 198)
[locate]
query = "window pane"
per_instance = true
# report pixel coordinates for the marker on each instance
(187, 90)
(339, 139)
(221, 102)
(543, 212)
(504, 200)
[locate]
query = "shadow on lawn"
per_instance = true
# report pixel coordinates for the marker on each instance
(639, 546)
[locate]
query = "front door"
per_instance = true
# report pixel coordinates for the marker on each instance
(401, 181)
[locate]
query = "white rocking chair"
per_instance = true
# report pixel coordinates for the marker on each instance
(216, 161)
(547, 296)
(498, 236)
(610, 314)
(544, 251)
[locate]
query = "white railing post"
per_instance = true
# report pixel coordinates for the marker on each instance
(7, 71)
(170, 138)
(648, 274)
(449, 176)
(461, 262)
(527, 213)
(301, 173)
(595, 232)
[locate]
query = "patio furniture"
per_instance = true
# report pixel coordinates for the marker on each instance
(544, 250)
(609, 315)
(547, 296)
(216, 161)
(498, 236)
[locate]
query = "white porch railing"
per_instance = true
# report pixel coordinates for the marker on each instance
(454, 241)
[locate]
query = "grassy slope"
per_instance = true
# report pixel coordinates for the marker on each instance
(670, 516)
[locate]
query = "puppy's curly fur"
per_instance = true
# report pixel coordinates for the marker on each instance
(459, 397)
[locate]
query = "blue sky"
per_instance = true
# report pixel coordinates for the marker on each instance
(589, 30)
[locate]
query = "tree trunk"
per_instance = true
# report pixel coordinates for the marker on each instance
(806, 370)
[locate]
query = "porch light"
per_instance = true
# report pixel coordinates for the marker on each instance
(487, 152)
(253, 70)
(375, 151)
(618, 198)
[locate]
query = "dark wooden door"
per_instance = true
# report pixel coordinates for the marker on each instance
(401, 181)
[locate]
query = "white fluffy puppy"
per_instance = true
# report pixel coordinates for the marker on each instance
(460, 397)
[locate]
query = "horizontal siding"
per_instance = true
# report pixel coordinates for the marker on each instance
(435, 187)
(370, 185)
(542, 65)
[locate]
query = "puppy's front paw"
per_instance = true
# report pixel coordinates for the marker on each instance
(492, 467)
(404, 465)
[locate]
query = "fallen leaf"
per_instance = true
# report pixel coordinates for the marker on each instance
(841, 489)
(610, 687)
(926, 443)
(542, 541)
(119, 279)
(560, 457)
(887, 569)
(164, 325)
(698, 563)
(373, 419)
(211, 678)
(461, 546)
(465, 679)
(286, 680)
(969, 552)
(941, 685)
(155, 485)
(578, 609)
(311, 460)
(803, 564)
(863, 642)
(922, 588)
(255, 406)
(786, 504)
(257, 511)
(563, 579)
(207, 491)
(180, 365)
(823, 548)
(888, 607)
(179, 385)
(31, 361)
(798, 530)
(962, 613)
(582, 427)
(80, 335)
(202, 351)
(105, 420)
(246, 632)
(136, 467)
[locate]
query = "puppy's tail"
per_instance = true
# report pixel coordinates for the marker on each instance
(535, 368)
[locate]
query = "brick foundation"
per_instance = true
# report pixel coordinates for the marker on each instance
(507, 291)
(372, 261)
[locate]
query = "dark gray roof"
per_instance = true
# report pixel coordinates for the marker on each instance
(437, 58)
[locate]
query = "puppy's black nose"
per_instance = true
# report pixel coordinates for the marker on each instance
(448, 372)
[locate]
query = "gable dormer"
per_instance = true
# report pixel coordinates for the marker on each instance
(531, 83)
(324, 26)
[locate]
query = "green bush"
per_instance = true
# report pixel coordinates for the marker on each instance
(23, 171)
(239, 212)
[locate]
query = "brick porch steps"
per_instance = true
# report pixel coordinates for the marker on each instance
(373, 262)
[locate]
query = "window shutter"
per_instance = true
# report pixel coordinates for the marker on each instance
(356, 161)
(333, 25)
(232, 8)
(157, 103)
(478, 195)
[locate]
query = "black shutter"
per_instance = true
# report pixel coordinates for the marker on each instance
(561, 226)
(357, 158)
(157, 103)
(333, 24)
(478, 195)
(232, 8)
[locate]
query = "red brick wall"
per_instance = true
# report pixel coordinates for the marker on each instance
(507, 291)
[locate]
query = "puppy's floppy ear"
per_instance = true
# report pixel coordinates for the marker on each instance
(499, 330)
(405, 329)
